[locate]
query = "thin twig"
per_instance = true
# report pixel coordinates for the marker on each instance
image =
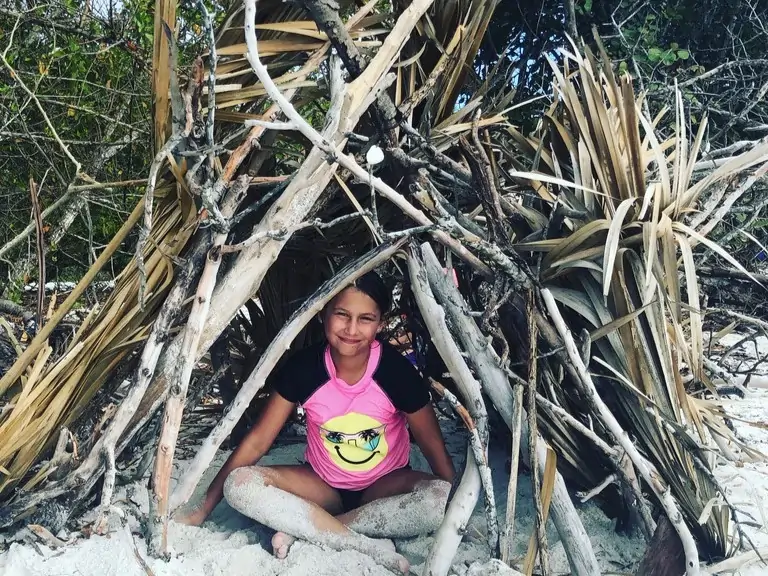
(213, 60)
(283, 233)
(34, 98)
(149, 197)
(40, 248)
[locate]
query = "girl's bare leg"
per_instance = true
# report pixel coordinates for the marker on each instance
(402, 504)
(263, 494)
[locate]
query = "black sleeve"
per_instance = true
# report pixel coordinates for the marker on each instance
(400, 380)
(301, 374)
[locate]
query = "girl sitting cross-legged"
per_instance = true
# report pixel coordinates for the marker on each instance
(357, 489)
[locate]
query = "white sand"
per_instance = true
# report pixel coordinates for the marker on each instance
(231, 544)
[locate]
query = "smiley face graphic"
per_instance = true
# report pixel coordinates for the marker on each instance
(355, 442)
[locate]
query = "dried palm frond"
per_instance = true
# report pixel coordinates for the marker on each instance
(608, 225)
(55, 391)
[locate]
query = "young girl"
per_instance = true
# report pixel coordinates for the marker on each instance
(357, 488)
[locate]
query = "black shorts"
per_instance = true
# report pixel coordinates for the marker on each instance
(350, 499)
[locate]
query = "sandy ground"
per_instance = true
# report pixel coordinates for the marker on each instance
(747, 485)
(229, 543)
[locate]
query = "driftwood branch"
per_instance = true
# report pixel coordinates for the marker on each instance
(533, 430)
(509, 526)
(174, 405)
(455, 520)
(480, 453)
(448, 538)
(494, 379)
(108, 443)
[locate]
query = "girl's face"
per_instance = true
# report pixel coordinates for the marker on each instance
(351, 322)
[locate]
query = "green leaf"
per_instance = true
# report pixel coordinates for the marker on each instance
(669, 57)
(683, 54)
(655, 54)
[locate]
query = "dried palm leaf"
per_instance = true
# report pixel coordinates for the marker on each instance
(617, 265)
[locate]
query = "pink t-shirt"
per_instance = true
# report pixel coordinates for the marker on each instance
(355, 433)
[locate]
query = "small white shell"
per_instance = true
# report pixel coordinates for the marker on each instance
(374, 156)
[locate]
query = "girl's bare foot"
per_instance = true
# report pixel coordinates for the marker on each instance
(281, 543)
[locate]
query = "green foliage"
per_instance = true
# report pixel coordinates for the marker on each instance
(584, 7)
(89, 63)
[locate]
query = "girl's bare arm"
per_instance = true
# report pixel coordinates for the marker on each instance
(257, 442)
(426, 432)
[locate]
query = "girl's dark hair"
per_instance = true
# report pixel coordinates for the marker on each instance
(372, 285)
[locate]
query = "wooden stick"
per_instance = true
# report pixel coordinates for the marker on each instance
(480, 453)
(533, 429)
(550, 470)
(100, 454)
(509, 527)
(449, 535)
(255, 381)
(40, 248)
(577, 546)
(174, 405)
(456, 518)
(646, 469)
